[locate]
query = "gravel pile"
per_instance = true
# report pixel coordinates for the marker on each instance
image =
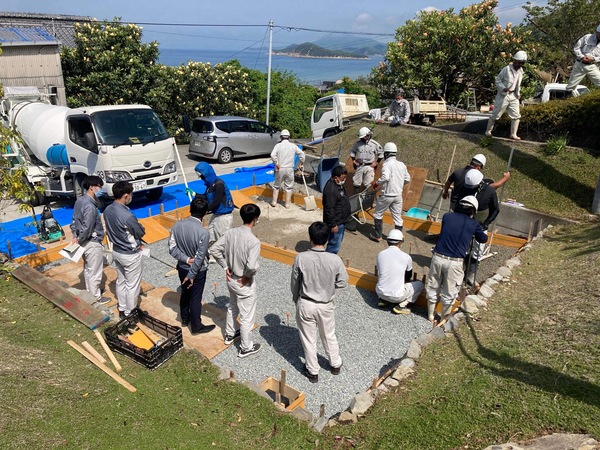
(370, 338)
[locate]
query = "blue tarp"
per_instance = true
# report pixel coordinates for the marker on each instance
(15, 230)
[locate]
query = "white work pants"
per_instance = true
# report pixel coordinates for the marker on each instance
(504, 103)
(284, 178)
(242, 303)
(411, 293)
(129, 279)
(394, 204)
(317, 318)
(444, 279)
(363, 176)
(218, 225)
(580, 71)
(93, 263)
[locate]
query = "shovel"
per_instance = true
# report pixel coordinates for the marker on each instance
(309, 200)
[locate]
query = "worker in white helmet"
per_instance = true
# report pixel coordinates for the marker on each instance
(456, 180)
(394, 175)
(587, 55)
(508, 84)
(283, 157)
(446, 271)
(366, 154)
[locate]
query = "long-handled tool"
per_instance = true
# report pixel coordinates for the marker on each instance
(187, 189)
(309, 200)
(439, 205)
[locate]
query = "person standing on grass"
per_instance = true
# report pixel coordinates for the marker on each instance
(88, 232)
(336, 208)
(188, 243)
(283, 157)
(238, 252)
(316, 275)
(587, 54)
(392, 287)
(126, 234)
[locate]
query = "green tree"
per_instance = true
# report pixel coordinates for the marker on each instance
(557, 26)
(443, 53)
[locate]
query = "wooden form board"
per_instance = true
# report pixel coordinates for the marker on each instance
(59, 296)
(240, 199)
(411, 193)
(154, 230)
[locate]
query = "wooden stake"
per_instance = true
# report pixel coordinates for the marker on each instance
(149, 212)
(347, 263)
(102, 367)
(150, 334)
(9, 250)
(108, 351)
(93, 352)
(162, 208)
(231, 375)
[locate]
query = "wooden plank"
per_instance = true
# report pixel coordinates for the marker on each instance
(108, 351)
(59, 296)
(102, 367)
(411, 193)
(93, 352)
(240, 199)
(155, 231)
(150, 334)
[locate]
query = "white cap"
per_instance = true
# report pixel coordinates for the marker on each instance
(473, 178)
(390, 147)
(471, 200)
(364, 131)
(284, 133)
(480, 159)
(395, 236)
(520, 56)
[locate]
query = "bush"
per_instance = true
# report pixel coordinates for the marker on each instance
(556, 144)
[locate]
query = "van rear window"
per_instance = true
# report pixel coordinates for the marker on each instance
(202, 126)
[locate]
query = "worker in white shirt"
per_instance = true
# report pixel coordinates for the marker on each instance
(283, 157)
(587, 55)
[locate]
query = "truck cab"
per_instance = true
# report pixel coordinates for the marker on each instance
(555, 91)
(333, 113)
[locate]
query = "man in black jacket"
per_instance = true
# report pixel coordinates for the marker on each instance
(336, 208)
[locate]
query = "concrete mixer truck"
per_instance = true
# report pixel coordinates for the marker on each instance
(63, 145)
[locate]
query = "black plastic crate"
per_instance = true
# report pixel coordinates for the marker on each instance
(157, 355)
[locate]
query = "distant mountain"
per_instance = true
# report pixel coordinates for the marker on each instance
(360, 45)
(310, 50)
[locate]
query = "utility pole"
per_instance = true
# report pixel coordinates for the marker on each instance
(269, 70)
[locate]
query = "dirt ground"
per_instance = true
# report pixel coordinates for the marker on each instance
(289, 228)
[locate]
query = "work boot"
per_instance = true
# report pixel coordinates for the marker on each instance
(514, 127)
(490, 127)
(275, 197)
(377, 233)
(288, 198)
(398, 227)
(431, 310)
(471, 273)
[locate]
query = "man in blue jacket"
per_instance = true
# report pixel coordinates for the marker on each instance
(220, 202)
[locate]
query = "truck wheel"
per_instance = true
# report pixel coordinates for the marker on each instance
(225, 155)
(154, 194)
(329, 133)
(36, 198)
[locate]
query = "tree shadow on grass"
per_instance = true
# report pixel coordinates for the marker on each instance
(584, 243)
(539, 376)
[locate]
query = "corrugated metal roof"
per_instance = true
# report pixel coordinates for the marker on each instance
(20, 35)
(59, 25)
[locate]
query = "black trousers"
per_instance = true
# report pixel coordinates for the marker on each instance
(190, 302)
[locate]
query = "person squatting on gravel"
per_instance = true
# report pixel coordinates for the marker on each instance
(88, 233)
(394, 175)
(283, 157)
(316, 275)
(392, 287)
(446, 271)
(366, 154)
(220, 202)
(336, 208)
(188, 244)
(238, 252)
(126, 234)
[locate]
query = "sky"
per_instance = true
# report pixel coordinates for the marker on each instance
(376, 16)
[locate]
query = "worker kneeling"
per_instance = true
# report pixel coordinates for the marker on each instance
(391, 286)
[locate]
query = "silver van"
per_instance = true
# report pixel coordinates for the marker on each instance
(223, 137)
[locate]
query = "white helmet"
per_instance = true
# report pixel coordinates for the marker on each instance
(470, 200)
(284, 133)
(364, 131)
(395, 236)
(520, 56)
(479, 159)
(473, 178)
(390, 147)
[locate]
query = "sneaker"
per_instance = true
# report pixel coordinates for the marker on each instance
(312, 378)
(243, 353)
(122, 315)
(203, 329)
(103, 301)
(382, 303)
(400, 310)
(336, 370)
(229, 339)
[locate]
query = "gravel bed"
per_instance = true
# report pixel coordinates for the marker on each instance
(370, 338)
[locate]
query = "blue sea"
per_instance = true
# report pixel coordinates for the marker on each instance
(312, 71)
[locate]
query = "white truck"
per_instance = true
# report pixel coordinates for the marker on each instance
(63, 145)
(555, 91)
(336, 112)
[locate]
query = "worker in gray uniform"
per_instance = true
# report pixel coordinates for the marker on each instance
(316, 274)
(587, 61)
(366, 154)
(188, 244)
(238, 252)
(283, 157)
(88, 232)
(126, 234)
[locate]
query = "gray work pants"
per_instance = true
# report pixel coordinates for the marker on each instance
(93, 263)
(218, 225)
(444, 279)
(242, 303)
(129, 278)
(317, 318)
